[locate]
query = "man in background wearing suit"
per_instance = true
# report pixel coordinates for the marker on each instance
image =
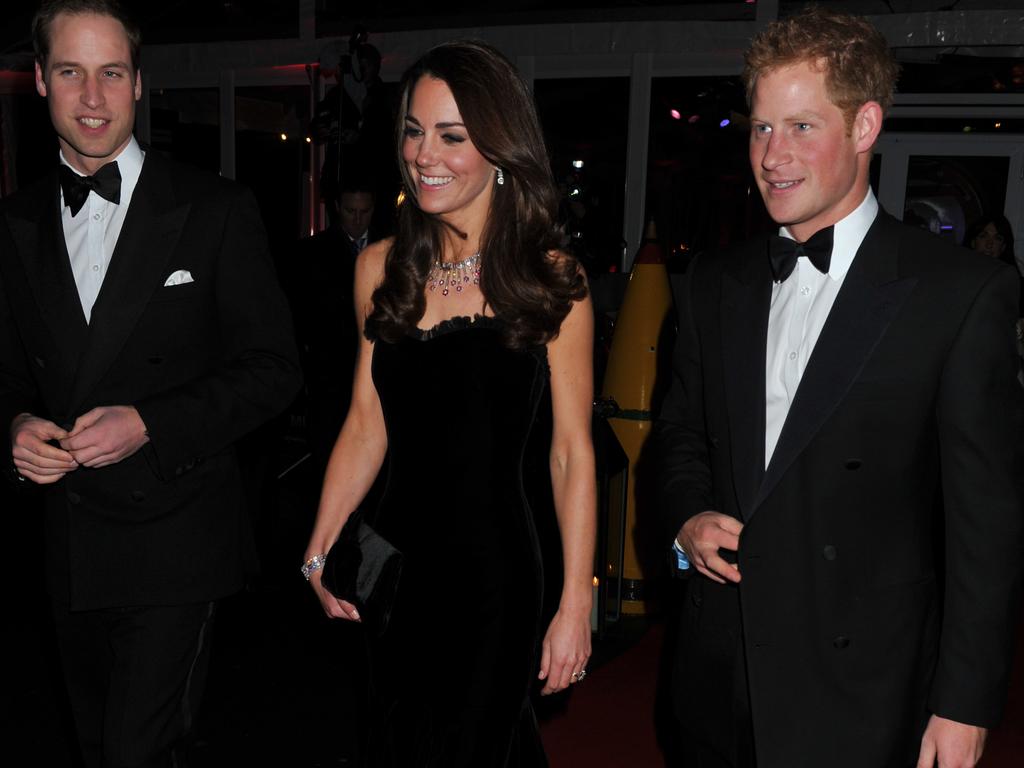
(141, 334)
(355, 211)
(839, 453)
(318, 279)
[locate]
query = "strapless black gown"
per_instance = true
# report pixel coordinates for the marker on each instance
(452, 675)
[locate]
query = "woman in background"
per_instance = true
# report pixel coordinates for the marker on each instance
(477, 334)
(992, 236)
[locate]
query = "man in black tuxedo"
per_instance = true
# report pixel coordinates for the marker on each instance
(840, 450)
(142, 333)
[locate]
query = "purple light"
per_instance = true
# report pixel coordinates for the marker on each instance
(675, 114)
(724, 123)
(693, 119)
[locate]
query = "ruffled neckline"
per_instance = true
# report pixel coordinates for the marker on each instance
(453, 324)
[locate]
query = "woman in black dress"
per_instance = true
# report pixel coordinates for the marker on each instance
(477, 349)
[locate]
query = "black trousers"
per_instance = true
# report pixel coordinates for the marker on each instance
(135, 677)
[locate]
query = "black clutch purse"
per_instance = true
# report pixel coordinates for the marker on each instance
(362, 567)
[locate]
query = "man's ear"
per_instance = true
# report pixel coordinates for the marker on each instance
(867, 124)
(138, 84)
(40, 81)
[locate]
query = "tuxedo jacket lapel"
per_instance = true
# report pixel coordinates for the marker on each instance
(869, 299)
(137, 267)
(38, 234)
(746, 295)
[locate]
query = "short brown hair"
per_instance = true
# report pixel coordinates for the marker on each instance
(856, 60)
(51, 9)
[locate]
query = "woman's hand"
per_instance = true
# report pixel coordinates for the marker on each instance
(333, 607)
(566, 649)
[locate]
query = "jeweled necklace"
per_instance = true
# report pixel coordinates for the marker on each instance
(448, 275)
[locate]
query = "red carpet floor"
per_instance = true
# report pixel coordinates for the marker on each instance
(609, 718)
(608, 721)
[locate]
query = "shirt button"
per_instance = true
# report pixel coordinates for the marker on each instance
(96, 217)
(792, 355)
(805, 290)
(95, 267)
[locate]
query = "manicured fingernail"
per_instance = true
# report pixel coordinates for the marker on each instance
(355, 615)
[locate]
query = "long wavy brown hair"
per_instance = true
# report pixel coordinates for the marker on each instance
(523, 283)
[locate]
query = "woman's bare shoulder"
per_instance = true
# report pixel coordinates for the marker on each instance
(370, 264)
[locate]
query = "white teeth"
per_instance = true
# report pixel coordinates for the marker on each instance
(783, 184)
(91, 122)
(435, 181)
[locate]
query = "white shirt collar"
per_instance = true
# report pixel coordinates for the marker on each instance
(849, 233)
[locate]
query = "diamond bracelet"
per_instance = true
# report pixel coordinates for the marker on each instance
(314, 564)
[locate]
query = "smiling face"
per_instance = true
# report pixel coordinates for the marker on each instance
(810, 166)
(90, 88)
(450, 177)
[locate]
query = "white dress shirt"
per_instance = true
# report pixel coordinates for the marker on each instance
(799, 309)
(92, 234)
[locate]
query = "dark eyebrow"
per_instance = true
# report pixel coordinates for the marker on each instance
(110, 65)
(442, 126)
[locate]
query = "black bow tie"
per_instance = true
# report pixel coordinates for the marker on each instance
(106, 183)
(784, 252)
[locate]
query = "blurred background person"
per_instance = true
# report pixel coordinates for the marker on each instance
(355, 211)
(992, 236)
(319, 283)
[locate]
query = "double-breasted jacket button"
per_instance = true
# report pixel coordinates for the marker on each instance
(74, 498)
(137, 496)
(696, 599)
(853, 464)
(828, 552)
(841, 642)
(40, 362)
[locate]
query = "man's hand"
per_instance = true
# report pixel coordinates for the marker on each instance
(703, 535)
(105, 436)
(950, 744)
(35, 458)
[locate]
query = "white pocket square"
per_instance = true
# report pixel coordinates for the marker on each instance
(180, 277)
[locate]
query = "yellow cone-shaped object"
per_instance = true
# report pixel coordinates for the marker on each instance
(629, 380)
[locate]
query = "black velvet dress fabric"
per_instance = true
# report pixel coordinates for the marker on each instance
(451, 677)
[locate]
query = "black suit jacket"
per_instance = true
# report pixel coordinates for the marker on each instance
(203, 362)
(882, 545)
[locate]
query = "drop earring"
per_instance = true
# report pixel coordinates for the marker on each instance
(501, 177)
